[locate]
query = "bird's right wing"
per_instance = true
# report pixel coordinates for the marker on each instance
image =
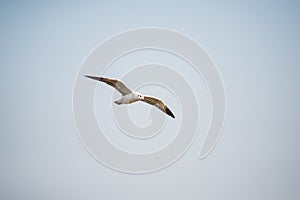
(159, 104)
(118, 85)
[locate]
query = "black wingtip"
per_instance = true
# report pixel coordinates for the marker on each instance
(168, 111)
(93, 77)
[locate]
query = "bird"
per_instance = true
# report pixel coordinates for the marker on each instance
(129, 96)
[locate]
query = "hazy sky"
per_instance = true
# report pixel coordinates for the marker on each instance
(256, 47)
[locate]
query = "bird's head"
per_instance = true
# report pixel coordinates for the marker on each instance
(140, 96)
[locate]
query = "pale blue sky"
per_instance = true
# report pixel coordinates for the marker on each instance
(256, 47)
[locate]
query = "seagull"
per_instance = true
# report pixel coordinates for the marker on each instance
(129, 96)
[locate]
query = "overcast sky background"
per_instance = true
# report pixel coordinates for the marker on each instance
(256, 47)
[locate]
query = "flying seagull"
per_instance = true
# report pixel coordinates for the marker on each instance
(129, 96)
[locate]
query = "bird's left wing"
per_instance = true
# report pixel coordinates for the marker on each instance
(118, 85)
(159, 104)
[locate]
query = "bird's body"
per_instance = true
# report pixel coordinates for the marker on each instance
(129, 96)
(128, 99)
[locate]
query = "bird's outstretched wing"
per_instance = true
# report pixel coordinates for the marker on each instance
(159, 104)
(118, 85)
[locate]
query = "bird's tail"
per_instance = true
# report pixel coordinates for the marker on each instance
(118, 102)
